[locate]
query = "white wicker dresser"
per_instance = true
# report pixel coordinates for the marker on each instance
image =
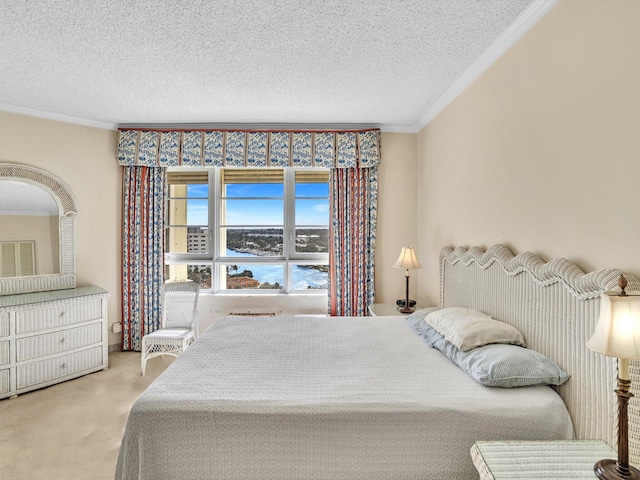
(50, 337)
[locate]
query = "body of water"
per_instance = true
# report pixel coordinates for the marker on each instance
(302, 277)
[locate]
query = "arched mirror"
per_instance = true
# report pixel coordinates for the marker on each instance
(37, 211)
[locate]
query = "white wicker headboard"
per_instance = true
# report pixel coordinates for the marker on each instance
(556, 306)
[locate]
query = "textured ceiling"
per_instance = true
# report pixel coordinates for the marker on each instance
(370, 62)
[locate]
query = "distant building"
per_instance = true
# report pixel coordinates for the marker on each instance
(196, 240)
(242, 282)
(197, 243)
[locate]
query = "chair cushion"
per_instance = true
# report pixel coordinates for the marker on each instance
(178, 334)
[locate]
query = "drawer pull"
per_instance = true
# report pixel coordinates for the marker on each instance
(62, 340)
(64, 365)
(62, 314)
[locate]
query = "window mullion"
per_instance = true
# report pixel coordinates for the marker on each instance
(289, 222)
(289, 211)
(214, 225)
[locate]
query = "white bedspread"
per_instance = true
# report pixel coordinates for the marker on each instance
(322, 398)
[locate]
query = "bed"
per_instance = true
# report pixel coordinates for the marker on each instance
(367, 398)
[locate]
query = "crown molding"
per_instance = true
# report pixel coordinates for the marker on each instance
(58, 117)
(527, 19)
(32, 112)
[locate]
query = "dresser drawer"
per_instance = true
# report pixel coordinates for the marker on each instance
(36, 319)
(4, 381)
(4, 324)
(56, 342)
(59, 367)
(4, 352)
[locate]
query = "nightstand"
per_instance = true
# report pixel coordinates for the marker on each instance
(387, 309)
(533, 460)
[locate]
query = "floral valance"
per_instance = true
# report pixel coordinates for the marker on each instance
(249, 148)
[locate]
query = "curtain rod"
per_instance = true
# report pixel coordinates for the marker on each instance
(226, 127)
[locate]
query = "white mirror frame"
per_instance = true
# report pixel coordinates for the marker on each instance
(67, 206)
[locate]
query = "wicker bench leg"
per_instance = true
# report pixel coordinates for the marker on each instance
(143, 357)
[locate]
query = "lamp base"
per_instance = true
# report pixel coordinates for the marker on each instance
(407, 310)
(607, 470)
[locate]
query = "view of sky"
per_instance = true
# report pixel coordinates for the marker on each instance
(261, 204)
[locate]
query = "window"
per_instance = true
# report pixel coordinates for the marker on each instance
(17, 259)
(265, 230)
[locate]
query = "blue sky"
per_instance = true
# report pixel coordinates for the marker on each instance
(261, 211)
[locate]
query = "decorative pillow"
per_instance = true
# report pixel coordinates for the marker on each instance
(505, 366)
(416, 321)
(468, 329)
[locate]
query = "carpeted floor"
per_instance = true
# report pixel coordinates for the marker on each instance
(73, 430)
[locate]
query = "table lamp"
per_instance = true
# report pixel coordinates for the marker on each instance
(617, 334)
(407, 260)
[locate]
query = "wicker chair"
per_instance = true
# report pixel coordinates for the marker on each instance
(179, 324)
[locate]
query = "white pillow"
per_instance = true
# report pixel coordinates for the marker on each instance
(468, 329)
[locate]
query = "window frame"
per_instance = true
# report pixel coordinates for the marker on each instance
(216, 260)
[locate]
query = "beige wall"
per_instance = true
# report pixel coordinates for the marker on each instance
(542, 152)
(84, 159)
(397, 216)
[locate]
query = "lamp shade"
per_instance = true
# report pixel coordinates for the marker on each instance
(617, 333)
(407, 259)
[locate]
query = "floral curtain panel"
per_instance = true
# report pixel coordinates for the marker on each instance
(249, 148)
(354, 214)
(142, 252)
